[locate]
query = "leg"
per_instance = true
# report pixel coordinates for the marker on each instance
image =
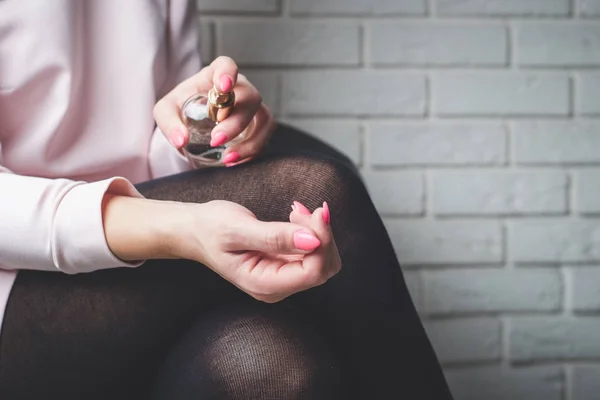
(99, 335)
(289, 140)
(106, 335)
(366, 309)
(261, 352)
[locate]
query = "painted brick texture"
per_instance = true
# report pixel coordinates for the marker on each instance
(476, 128)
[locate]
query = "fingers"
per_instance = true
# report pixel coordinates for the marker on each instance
(272, 237)
(276, 275)
(326, 258)
(167, 111)
(271, 281)
(264, 125)
(247, 104)
(166, 115)
(300, 214)
(222, 73)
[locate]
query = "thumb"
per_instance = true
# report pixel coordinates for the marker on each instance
(274, 237)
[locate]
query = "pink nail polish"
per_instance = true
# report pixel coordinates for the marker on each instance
(218, 139)
(326, 215)
(226, 83)
(301, 208)
(293, 207)
(304, 240)
(177, 138)
(231, 157)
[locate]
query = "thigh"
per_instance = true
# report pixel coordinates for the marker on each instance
(293, 162)
(102, 334)
(289, 140)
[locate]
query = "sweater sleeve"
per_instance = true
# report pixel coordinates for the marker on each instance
(56, 224)
(184, 45)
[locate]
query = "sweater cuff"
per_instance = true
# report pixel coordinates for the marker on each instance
(78, 241)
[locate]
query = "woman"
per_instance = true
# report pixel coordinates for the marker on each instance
(192, 283)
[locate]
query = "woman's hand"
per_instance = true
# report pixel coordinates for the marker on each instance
(223, 74)
(268, 260)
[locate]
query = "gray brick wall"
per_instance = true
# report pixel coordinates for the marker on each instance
(476, 124)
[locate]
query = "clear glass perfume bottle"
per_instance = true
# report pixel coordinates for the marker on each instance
(201, 114)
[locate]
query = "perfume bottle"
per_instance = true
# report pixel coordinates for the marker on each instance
(201, 114)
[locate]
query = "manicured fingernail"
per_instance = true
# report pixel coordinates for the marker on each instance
(301, 208)
(218, 139)
(326, 215)
(177, 137)
(231, 157)
(226, 83)
(293, 207)
(304, 240)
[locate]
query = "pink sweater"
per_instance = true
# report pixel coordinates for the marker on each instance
(78, 81)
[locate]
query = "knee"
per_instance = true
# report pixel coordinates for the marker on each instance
(271, 361)
(252, 357)
(320, 178)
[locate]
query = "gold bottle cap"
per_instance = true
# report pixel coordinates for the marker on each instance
(219, 104)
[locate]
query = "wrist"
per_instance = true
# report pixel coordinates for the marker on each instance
(138, 229)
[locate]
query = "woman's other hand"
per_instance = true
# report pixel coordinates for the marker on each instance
(268, 260)
(223, 74)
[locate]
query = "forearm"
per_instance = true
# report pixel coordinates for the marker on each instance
(138, 229)
(56, 224)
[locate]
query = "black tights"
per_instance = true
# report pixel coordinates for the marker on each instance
(173, 329)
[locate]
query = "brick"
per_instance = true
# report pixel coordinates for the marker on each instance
(207, 40)
(557, 44)
(413, 283)
(354, 93)
(500, 94)
(359, 7)
(589, 8)
(238, 6)
(486, 8)
(588, 90)
(585, 384)
(588, 191)
(557, 142)
(492, 290)
(395, 192)
(415, 144)
(585, 288)
(499, 192)
(269, 85)
(553, 338)
(290, 43)
(446, 242)
(502, 383)
(343, 135)
(555, 240)
(437, 44)
(465, 339)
